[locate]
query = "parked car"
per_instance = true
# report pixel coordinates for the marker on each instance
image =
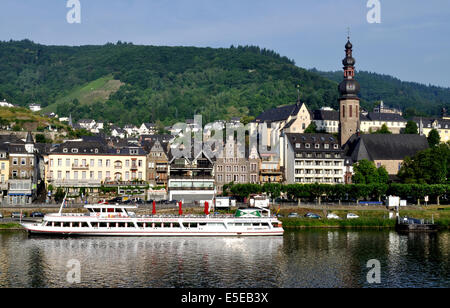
(333, 216)
(293, 215)
(312, 216)
(37, 214)
(352, 216)
(1, 216)
(17, 215)
(115, 200)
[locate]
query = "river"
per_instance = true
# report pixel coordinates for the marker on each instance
(309, 258)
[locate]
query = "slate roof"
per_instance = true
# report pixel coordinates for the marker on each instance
(385, 117)
(312, 140)
(384, 146)
(325, 115)
(94, 148)
(428, 122)
(279, 114)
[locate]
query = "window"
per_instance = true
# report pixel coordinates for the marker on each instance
(75, 175)
(307, 146)
(108, 163)
(75, 162)
(100, 177)
(23, 161)
(67, 175)
(100, 163)
(67, 162)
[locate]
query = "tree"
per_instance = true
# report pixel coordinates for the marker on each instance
(365, 172)
(311, 129)
(383, 130)
(411, 128)
(434, 138)
(431, 166)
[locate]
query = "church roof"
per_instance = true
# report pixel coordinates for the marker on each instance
(384, 146)
(279, 114)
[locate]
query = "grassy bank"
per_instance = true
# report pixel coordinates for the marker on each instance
(10, 226)
(369, 218)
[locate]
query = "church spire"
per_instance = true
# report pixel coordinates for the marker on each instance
(349, 118)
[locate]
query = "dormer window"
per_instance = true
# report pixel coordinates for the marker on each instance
(65, 150)
(317, 146)
(336, 146)
(96, 151)
(74, 150)
(307, 146)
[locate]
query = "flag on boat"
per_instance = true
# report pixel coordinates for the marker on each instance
(154, 207)
(206, 208)
(180, 209)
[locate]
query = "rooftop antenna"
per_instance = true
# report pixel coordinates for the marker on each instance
(298, 94)
(348, 33)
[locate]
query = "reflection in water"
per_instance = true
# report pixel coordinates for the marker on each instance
(314, 258)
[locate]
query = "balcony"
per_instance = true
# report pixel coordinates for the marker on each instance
(187, 177)
(74, 183)
(270, 171)
(82, 167)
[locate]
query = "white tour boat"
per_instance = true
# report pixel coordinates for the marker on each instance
(118, 220)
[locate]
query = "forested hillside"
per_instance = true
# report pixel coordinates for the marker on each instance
(124, 83)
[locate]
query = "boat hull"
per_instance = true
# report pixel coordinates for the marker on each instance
(37, 230)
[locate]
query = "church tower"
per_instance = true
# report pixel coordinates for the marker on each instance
(349, 101)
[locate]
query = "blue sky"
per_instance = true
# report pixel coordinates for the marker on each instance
(411, 43)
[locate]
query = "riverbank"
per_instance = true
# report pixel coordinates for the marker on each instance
(368, 218)
(10, 226)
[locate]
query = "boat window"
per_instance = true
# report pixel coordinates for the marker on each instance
(256, 224)
(103, 225)
(130, 225)
(176, 225)
(66, 225)
(238, 224)
(247, 225)
(48, 224)
(140, 225)
(265, 224)
(84, 225)
(158, 225)
(94, 224)
(203, 224)
(193, 225)
(121, 225)
(111, 211)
